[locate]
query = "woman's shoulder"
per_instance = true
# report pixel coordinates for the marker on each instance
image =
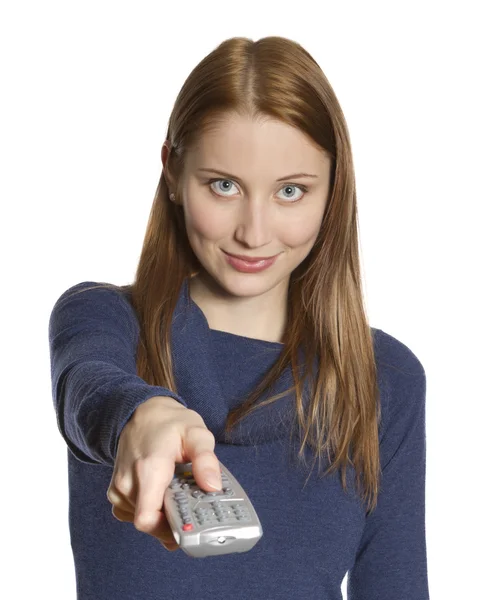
(93, 299)
(401, 380)
(394, 356)
(95, 291)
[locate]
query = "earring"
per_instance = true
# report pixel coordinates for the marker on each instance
(171, 197)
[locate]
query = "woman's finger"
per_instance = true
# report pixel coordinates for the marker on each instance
(152, 478)
(116, 498)
(123, 515)
(163, 533)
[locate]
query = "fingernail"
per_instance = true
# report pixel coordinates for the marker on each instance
(213, 478)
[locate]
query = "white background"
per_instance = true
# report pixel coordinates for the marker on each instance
(87, 89)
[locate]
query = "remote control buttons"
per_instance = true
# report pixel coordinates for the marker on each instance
(198, 509)
(183, 508)
(221, 512)
(240, 512)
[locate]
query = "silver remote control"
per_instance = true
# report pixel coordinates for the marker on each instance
(210, 523)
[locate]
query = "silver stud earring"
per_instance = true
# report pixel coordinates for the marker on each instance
(171, 196)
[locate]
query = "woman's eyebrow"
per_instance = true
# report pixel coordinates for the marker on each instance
(228, 176)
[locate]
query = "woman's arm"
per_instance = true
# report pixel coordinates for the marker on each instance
(93, 339)
(391, 560)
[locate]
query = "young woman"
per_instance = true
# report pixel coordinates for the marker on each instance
(266, 363)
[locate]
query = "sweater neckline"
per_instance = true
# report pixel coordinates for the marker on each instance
(221, 333)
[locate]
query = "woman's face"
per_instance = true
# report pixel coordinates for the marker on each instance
(257, 207)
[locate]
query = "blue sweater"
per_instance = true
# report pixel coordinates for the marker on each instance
(313, 534)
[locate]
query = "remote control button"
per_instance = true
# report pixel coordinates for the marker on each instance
(206, 521)
(197, 494)
(187, 527)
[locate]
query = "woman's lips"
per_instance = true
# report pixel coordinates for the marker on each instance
(250, 259)
(249, 266)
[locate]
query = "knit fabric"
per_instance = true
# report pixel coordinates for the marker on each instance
(314, 532)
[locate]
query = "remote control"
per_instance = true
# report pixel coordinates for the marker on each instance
(210, 523)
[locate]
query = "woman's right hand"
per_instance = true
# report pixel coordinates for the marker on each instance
(160, 433)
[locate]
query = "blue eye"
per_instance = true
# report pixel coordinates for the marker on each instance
(302, 188)
(223, 180)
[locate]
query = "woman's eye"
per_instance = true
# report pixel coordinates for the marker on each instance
(223, 188)
(291, 187)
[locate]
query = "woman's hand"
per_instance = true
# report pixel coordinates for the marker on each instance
(160, 433)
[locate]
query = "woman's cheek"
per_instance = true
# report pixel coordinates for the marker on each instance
(208, 222)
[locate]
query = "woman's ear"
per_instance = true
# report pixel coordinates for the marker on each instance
(164, 157)
(165, 151)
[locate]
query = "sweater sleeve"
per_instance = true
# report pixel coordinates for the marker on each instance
(93, 338)
(391, 562)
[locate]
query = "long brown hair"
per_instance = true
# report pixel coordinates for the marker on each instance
(277, 78)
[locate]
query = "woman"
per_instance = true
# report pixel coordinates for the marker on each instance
(268, 367)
